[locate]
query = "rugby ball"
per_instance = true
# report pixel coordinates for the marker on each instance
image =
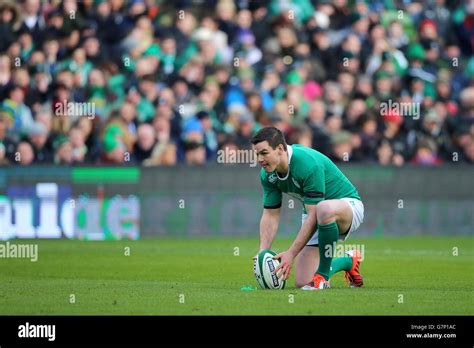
(264, 270)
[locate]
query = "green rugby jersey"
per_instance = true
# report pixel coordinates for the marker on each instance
(311, 178)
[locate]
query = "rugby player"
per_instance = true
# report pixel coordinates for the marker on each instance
(332, 210)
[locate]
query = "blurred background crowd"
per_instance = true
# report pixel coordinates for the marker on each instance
(176, 81)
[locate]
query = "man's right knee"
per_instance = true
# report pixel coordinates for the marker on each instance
(299, 283)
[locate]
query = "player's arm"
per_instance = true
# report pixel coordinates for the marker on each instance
(268, 227)
(314, 192)
(271, 212)
(306, 231)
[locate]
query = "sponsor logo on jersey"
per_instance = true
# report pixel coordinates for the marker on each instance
(272, 178)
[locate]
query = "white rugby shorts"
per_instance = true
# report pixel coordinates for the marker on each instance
(357, 218)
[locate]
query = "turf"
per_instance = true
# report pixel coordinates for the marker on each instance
(403, 276)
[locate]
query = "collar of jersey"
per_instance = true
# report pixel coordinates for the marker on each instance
(290, 153)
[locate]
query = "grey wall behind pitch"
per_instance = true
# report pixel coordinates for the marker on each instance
(226, 200)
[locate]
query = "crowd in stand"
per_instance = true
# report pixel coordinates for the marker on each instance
(155, 82)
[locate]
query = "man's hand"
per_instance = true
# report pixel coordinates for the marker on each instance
(286, 261)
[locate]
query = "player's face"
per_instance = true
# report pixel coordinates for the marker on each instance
(267, 157)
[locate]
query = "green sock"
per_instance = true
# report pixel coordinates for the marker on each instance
(343, 263)
(327, 238)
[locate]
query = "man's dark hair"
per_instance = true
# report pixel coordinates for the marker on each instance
(273, 135)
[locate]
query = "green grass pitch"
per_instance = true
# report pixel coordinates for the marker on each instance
(403, 276)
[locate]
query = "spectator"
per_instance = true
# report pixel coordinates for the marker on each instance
(91, 139)
(166, 103)
(168, 55)
(9, 23)
(77, 140)
(146, 140)
(301, 135)
(369, 137)
(23, 118)
(315, 120)
(24, 154)
(469, 151)
(386, 155)
(38, 137)
(426, 153)
(245, 130)
(356, 108)
(210, 138)
(432, 128)
(8, 143)
(393, 132)
(255, 106)
(194, 149)
(128, 115)
(342, 146)
(33, 21)
(93, 51)
(117, 140)
(5, 76)
(63, 151)
(333, 124)
(164, 154)
(3, 158)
